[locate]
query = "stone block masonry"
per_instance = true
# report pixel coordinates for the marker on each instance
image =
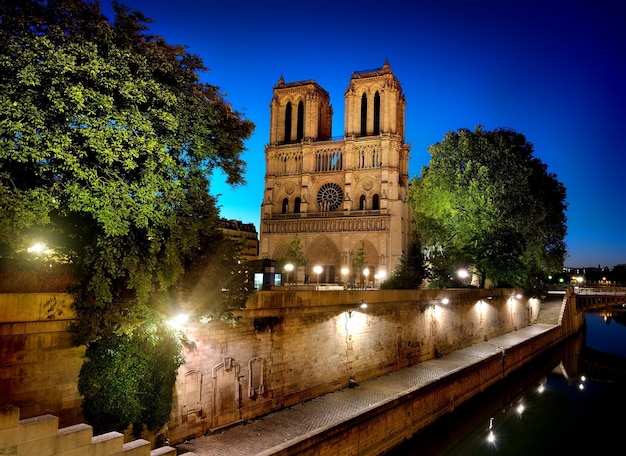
(287, 347)
(41, 436)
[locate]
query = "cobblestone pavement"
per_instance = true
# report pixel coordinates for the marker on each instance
(265, 435)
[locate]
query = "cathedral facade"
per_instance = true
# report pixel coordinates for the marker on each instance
(341, 197)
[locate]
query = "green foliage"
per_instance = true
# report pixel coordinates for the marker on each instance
(410, 271)
(112, 167)
(294, 254)
(130, 379)
(359, 260)
(485, 200)
(108, 141)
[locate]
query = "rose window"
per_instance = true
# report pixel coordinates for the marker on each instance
(329, 197)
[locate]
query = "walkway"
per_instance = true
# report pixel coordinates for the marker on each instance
(266, 435)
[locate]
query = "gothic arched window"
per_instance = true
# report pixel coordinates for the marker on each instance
(376, 202)
(285, 206)
(288, 123)
(300, 126)
(363, 115)
(362, 203)
(296, 205)
(377, 113)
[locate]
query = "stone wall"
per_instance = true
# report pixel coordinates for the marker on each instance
(41, 436)
(39, 366)
(291, 346)
(288, 347)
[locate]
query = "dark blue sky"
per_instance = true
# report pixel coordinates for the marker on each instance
(552, 70)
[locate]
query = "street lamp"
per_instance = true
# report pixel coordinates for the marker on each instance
(380, 276)
(178, 322)
(288, 268)
(366, 272)
(344, 275)
(318, 270)
(579, 279)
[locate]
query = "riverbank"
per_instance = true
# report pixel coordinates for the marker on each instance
(379, 413)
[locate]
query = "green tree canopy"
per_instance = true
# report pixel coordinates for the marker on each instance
(107, 143)
(484, 200)
(410, 271)
(294, 254)
(108, 140)
(358, 261)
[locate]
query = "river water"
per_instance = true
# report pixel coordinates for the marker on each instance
(568, 401)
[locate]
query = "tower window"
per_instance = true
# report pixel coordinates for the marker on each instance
(377, 113)
(376, 202)
(288, 123)
(300, 126)
(285, 206)
(363, 115)
(362, 203)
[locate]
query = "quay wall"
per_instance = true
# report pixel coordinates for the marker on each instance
(42, 436)
(287, 347)
(387, 425)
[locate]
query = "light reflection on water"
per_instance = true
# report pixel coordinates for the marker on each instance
(548, 407)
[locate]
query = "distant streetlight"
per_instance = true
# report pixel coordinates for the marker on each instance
(288, 268)
(366, 272)
(318, 270)
(344, 274)
(380, 276)
(462, 274)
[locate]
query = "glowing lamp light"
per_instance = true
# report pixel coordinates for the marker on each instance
(179, 321)
(362, 305)
(38, 248)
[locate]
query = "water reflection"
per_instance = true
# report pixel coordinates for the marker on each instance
(566, 400)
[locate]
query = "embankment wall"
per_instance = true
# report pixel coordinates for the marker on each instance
(288, 347)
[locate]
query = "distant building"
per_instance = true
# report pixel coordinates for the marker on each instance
(339, 196)
(248, 231)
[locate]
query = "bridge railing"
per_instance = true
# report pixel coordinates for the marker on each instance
(588, 298)
(601, 291)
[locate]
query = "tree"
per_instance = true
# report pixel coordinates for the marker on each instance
(138, 371)
(485, 200)
(294, 256)
(410, 271)
(108, 140)
(359, 260)
(294, 253)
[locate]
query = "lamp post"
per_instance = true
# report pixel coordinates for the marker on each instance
(344, 276)
(579, 280)
(366, 272)
(380, 277)
(288, 268)
(318, 270)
